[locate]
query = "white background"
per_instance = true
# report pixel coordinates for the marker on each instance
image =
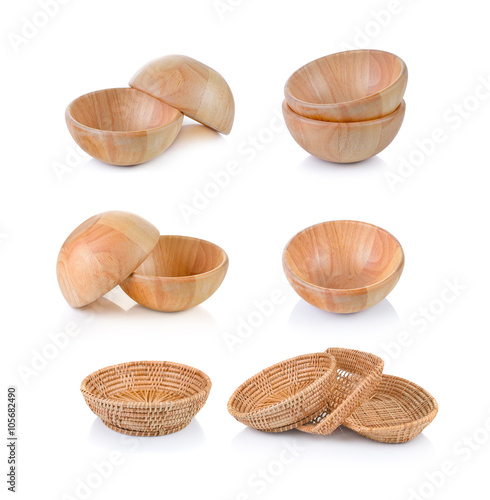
(438, 211)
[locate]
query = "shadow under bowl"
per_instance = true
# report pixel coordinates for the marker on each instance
(180, 273)
(349, 86)
(343, 266)
(122, 126)
(343, 142)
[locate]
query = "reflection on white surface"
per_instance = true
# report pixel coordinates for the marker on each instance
(189, 438)
(342, 445)
(374, 321)
(313, 164)
(192, 132)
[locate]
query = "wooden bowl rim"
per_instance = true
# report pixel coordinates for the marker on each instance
(333, 105)
(428, 417)
(400, 110)
(317, 382)
(369, 286)
(136, 133)
(116, 402)
(152, 277)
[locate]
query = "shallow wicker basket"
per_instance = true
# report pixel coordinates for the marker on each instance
(285, 395)
(146, 398)
(398, 411)
(358, 374)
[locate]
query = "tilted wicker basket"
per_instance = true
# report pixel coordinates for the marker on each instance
(146, 398)
(285, 395)
(358, 374)
(397, 411)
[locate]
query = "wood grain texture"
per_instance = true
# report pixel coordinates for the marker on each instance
(102, 252)
(200, 92)
(180, 273)
(397, 412)
(122, 126)
(343, 142)
(348, 86)
(343, 266)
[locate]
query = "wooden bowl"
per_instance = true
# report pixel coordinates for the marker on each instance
(200, 92)
(122, 126)
(180, 273)
(348, 86)
(343, 266)
(343, 142)
(397, 412)
(285, 395)
(146, 398)
(100, 253)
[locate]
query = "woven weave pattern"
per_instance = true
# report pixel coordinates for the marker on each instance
(146, 398)
(397, 412)
(285, 395)
(358, 374)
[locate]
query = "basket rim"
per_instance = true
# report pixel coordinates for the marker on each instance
(365, 388)
(313, 385)
(402, 426)
(185, 401)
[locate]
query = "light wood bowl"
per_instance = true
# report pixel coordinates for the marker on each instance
(197, 90)
(180, 273)
(100, 253)
(348, 86)
(343, 142)
(343, 266)
(122, 126)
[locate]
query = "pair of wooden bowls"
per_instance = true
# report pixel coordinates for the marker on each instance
(164, 273)
(316, 393)
(129, 126)
(343, 266)
(146, 398)
(346, 107)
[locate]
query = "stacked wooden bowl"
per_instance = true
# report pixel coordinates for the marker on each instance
(164, 273)
(346, 107)
(128, 126)
(359, 396)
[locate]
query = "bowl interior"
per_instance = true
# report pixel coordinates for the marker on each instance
(146, 383)
(345, 76)
(343, 255)
(181, 256)
(121, 110)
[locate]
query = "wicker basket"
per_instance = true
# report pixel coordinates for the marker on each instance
(146, 398)
(285, 395)
(358, 374)
(397, 412)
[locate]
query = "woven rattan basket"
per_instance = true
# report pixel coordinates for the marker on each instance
(358, 374)
(397, 411)
(285, 395)
(146, 398)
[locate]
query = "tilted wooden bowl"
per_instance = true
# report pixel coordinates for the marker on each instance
(122, 126)
(343, 266)
(181, 272)
(348, 86)
(285, 395)
(101, 252)
(397, 412)
(197, 90)
(343, 142)
(146, 398)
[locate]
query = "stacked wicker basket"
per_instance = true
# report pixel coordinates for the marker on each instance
(317, 393)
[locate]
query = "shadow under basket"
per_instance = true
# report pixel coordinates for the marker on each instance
(146, 398)
(397, 412)
(358, 375)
